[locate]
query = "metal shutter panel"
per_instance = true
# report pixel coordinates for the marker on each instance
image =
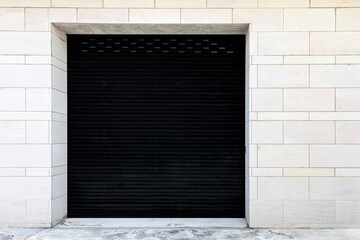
(156, 125)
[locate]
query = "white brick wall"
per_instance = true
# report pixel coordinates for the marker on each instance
(31, 76)
(12, 19)
(335, 188)
(25, 3)
(267, 132)
(283, 156)
(341, 43)
(154, 16)
(283, 43)
(267, 100)
(311, 19)
(179, 4)
(347, 212)
(25, 155)
(303, 103)
(305, 99)
(307, 132)
(334, 76)
(37, 99)
(348, 99)
(262, 19)
(12, 99)
(37, 132)
(103, 15)
(283, 3)
(277, 76)
(335, 3)
(302, 212)
(77, 3)
(348, 132)
(283, 188)
(129, 4)
(37, 43)
(206, 16)
(36, 19)
(335, 156)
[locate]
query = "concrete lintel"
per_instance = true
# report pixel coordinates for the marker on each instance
(99, 28)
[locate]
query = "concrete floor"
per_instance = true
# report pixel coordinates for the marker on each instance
(75, 229)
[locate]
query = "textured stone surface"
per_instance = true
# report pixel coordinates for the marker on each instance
(91, 233)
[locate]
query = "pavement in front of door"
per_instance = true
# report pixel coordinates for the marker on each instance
(73, 229)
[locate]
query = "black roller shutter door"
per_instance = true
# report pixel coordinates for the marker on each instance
(156, 125)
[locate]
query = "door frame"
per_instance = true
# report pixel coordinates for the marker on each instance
(59, 121)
